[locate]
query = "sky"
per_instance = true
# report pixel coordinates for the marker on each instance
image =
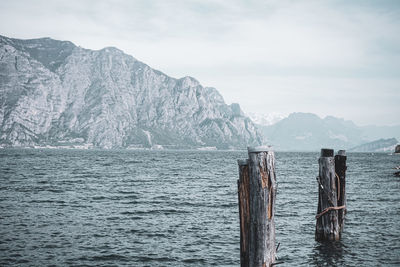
(338, 58)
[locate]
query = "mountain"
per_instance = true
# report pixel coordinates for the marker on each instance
(265, 119)
(308, 132)
(377, 146)
(373, 132)
(55, 93)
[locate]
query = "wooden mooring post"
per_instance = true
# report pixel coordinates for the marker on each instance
(331, 195)
(257, 192)
(340, 170)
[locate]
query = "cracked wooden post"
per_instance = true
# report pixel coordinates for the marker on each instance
(257, 202)
(327, 226)
(244, 211)
(340, 169)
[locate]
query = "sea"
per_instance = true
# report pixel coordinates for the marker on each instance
(180, 208)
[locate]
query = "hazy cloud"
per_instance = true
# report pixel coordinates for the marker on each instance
(338, 58)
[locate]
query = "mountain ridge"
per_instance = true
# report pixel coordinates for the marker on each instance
(55, 92)
(308, 132)
(380, 145)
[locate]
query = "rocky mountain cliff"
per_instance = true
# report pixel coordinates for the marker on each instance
(55, 93)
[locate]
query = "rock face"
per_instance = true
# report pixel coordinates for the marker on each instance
(53, 92)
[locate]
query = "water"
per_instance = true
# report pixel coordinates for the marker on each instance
(146, 208)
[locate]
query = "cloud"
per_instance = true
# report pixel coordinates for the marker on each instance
(282, 50)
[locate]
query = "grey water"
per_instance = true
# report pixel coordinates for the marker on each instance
(180, 208)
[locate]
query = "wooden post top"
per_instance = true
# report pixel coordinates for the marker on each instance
(258, 149)
(326, 152)
(242, 162)
(341, 152)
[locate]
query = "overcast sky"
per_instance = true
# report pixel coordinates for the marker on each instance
(339, 58)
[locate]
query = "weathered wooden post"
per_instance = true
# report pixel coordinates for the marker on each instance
(244, 211)
(327, 226)
(340, 170)
(257, 192)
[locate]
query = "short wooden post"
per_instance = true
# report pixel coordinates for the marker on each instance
(327, 226)
(257, 202)
(340, 169)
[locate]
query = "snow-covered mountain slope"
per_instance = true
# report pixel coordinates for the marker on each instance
(266, 119)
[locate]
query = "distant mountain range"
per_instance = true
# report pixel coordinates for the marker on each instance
(53, 93)
(381, 145)
(308, 132)
(266, 119)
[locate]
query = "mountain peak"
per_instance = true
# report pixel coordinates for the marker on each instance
(49, 52)
(237, 111)
(111, 49)
(303, 115)
(266, 119)
(189, 81)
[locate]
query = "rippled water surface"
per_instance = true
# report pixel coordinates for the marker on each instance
(147, 208)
